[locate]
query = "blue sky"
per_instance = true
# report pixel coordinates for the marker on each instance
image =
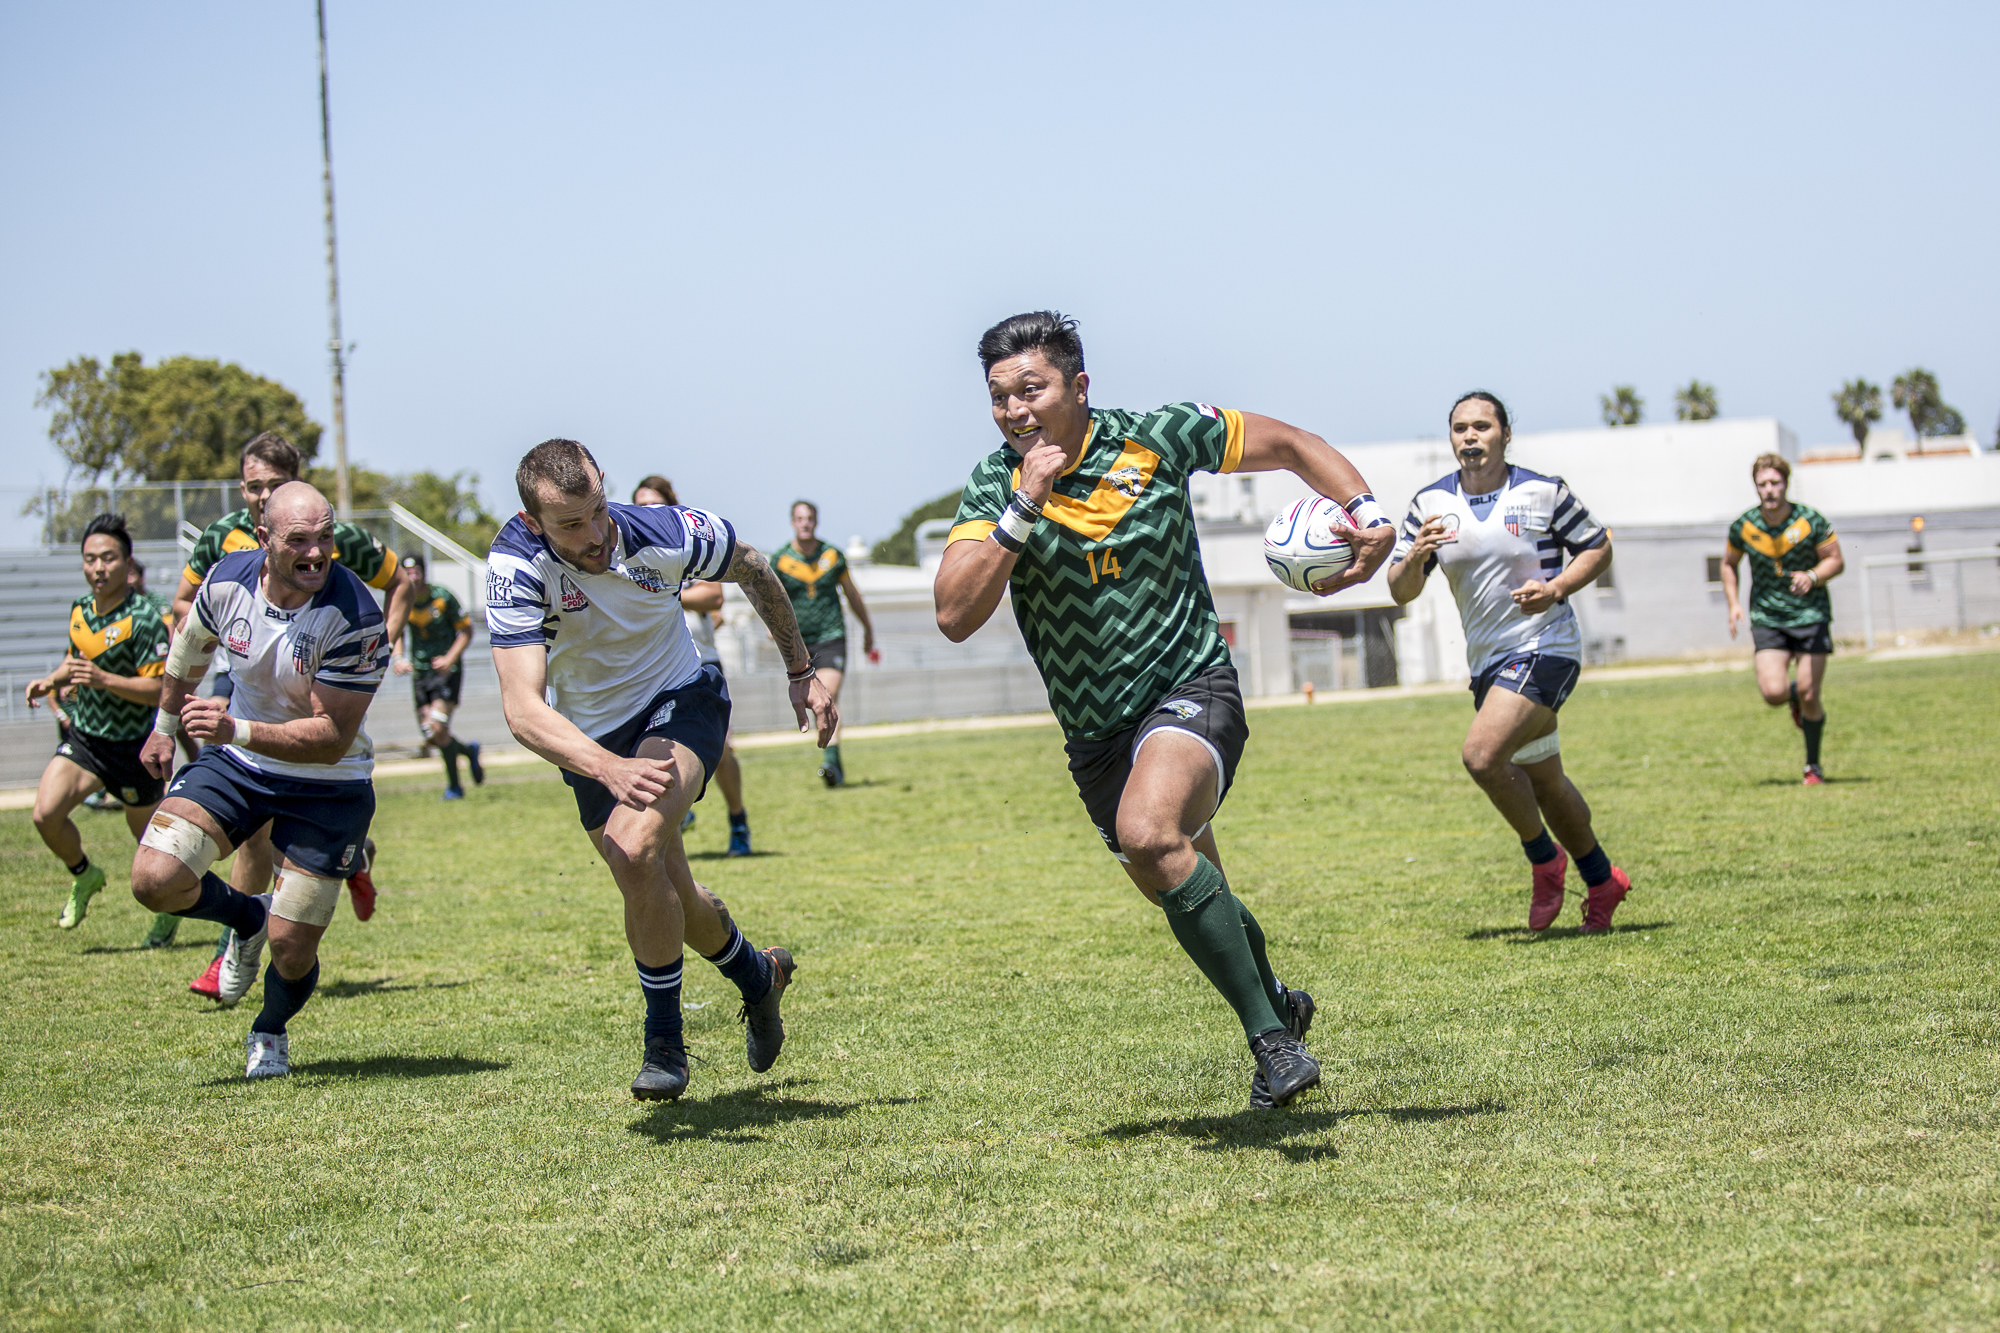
(753, 247)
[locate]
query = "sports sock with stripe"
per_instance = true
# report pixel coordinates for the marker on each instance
(81, 866)
(218, 902)
(1594, 866)
(1208, 921)
(662, 988)
(283, 998)
(742, 964)
(1813, 727)
(1541, 848)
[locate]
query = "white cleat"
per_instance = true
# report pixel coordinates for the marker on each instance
(240, 959)
(270, 1055)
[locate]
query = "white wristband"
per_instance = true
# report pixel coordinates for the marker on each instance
(243, 730)
(167, 724)
(1365, 512)
(1017, 525)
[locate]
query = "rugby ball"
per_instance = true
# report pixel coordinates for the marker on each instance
(1309, 543)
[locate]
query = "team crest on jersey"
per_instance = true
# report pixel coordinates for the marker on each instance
(652, 580)
(662, 715)
(572, 596)
(1514, 521)
(113, 633)
(302, 652)
(698, 521)
(237, 637)
(1181, 708)
(1126, 480)
(1208, 411)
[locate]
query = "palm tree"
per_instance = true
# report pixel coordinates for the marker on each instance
(1916, 392)
(1622, 406)
(1859, 404)
(1696, 402)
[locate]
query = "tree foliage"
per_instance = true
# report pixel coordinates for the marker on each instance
(449, 504)
(1859, 404)
(1916, 392)
(1696, 402)
(1622, 406)
(900, 547)
(183, 419)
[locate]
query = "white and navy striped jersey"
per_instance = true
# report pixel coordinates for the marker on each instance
(1520, 532)
(614, 639)
(276, 656)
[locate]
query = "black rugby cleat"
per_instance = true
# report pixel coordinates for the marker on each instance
(1284, 1065)
(1299, 1010)
(663, 1076)
(763, 1029)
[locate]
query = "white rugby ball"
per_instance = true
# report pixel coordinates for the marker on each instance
(1309, 543)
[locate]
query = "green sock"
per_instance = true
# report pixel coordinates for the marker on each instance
(1254, 933)
(833, 753)
(1207, 920)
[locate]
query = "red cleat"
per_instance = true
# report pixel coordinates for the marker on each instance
(1602, 900)
(1547, 903)
(1813, 776)
(363, 889)
(209, 984)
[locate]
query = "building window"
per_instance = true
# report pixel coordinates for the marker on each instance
(1715, 569)
(1607, 582)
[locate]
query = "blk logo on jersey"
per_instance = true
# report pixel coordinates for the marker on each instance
(572, 596)
(1181, 708)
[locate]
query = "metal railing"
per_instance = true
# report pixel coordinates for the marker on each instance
(1915, 562)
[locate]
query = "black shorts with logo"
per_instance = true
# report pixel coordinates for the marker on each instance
(695, 714)
(432, 686)
(1802, 639)
(321, 827)
(1209, 708)
(1538, 676)
(828, 654)
(116, 763)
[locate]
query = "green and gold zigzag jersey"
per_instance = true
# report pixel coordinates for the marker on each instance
(1109, 591)
(434, 624)
(131, 641)
(1775, 554)
(353, 547)
(814, 586)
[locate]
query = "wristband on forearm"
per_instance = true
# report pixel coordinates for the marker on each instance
(243, 730)
(167, 724)
(1017, 522)
(1366, 512)
(804, 674)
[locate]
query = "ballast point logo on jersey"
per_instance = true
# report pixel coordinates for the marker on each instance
(572, 596)
(237, 637)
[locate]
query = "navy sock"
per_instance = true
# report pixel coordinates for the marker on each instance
(81, 866)
(1541, 848)
(742, 964)
(1594, 866)
(739, 821)
(662, 988)
(218, 902)
(283, 999)
(1813, 727)
(450, 752)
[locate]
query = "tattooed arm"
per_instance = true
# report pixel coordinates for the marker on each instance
(750, 571)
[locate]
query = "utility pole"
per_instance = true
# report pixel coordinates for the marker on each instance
(343, 492)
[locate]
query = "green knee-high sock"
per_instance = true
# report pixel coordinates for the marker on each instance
(1207, 920)
(1254, 933)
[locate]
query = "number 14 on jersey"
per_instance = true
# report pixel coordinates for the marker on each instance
(1103, 565)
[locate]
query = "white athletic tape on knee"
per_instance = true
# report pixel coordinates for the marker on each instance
(182, 839)
(304, 898)
(1537, 750)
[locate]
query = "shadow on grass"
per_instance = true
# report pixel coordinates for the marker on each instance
(1831, 782)
(1275, 1130)
(733, 1116)
(348, 990)
(381, 1066)
(725, 856)
(1522, 935)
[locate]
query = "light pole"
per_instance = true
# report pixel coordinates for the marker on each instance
(343, 492)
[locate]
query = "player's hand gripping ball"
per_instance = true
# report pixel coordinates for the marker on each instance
(1309, 543)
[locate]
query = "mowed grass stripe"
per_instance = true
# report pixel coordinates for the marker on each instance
(1768, 1099)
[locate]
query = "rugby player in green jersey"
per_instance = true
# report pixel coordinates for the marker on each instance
(107, 687)
(440, 632)
(815, 576)
(266, 463)
(1083, 516)
(1793, 551)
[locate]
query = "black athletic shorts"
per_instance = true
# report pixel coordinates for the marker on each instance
(828, 654)
(1209, 708)
(116, 763)
(434, 685)
(696, 715)
(1814, 638)
(321, 827)
(1538, 676)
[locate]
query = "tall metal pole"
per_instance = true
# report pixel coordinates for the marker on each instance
(344, 493)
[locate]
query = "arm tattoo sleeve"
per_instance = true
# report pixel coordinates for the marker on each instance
(750, 571)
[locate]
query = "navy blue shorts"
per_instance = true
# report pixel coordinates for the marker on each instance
(1538, 676)
(320, 827)
(696, 715)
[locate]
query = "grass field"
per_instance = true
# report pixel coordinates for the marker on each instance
(1768, 1100)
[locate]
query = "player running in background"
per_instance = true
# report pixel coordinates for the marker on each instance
(307, 646)
(811, 571)
(268, 462)
(110, 673)
(1083, 516)
(1501, 533)
(439, 634)
(701, 606)
(583, 599)
(1793, 552)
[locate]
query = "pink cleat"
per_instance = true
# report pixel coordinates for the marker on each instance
(1603, 900)
(1547, 902)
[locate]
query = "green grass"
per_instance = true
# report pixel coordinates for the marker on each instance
(1767, 1100)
